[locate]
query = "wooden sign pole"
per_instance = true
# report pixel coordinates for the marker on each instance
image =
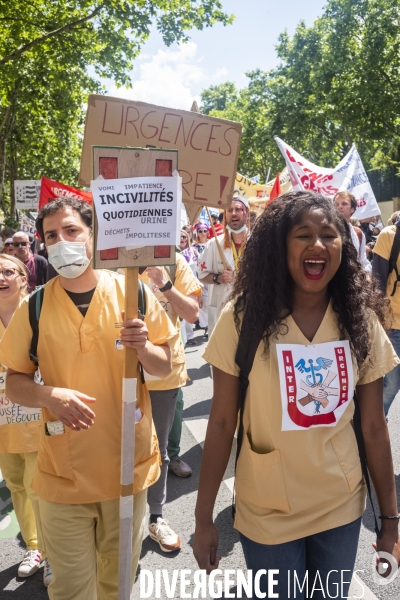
(142, 162)
(221, 253)
(130, 394)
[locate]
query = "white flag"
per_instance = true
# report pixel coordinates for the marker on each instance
(349, 176)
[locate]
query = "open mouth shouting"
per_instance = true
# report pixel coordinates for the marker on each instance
(314, 267)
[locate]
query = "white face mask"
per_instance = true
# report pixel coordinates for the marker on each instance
(243, 228)
(69, 258)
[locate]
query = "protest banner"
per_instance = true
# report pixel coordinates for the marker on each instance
(208, 147)
(27, 193)
(116, 163)
(54, 189)
(349, 175)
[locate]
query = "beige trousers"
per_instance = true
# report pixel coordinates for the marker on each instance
(82, 544)
(18, 470)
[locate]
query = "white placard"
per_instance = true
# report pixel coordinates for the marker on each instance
(137, 211)
(27, 225)
(348, 176)
(27, 193)
(316, 383)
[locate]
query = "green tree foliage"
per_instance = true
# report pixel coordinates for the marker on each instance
(48, 49)
(337, 83)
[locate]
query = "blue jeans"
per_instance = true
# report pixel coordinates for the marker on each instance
(391, 381)
(327, 557)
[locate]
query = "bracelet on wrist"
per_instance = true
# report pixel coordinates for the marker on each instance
(390, 518)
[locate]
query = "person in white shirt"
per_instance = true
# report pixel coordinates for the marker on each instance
(346, 204)
(212, 270)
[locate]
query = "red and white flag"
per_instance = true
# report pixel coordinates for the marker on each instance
(53, 189)
(349, 175)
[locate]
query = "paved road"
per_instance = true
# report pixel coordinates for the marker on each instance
(180, 509)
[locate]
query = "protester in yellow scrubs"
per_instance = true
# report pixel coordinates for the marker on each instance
(79, 350)
(299, 486)
(19, 427)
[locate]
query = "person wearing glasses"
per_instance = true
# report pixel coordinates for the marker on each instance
(9, 247)
(19, 431)
(36, 265)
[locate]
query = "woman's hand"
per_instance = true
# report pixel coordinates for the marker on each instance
(205, 546)
(389, 543)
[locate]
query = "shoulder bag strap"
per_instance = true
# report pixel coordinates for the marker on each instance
(245, 353)
(35, 306)
(394, 254)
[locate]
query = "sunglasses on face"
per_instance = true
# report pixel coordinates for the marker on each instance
(9, 273)
(17, 244)
(202, 231)
(8, 244)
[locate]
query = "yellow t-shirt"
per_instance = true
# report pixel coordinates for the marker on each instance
(186, 283)
(294, 481)
(83, 353)
(383, 247)
(19, 425)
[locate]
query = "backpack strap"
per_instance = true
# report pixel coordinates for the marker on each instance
(141, 301)
(35, 303)
(142, 307)
(394, 254)
(245, 353)
(363, 457)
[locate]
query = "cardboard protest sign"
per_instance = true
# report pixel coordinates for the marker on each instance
(247, 188)
(53, 189)
(137, 212)
(27, 193)
(208, 147)
(349, 175)
(121, 163)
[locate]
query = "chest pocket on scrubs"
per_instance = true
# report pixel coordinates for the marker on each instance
(259, 478)
(55, 457)
(345, 446)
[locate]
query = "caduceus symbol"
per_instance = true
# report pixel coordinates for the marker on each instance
(314, 378)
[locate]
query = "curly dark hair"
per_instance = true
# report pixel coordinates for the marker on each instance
(55, 205)
(263, 285)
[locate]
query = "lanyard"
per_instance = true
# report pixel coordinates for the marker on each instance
(236, 254)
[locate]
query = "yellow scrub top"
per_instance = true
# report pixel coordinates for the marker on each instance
(383, 248)
(83, 353)
(19, 426)
(186, 283)
(295, 483)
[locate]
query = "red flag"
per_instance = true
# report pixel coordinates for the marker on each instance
(54, 189)
(276, 188)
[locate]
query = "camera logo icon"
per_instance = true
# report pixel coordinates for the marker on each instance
(386, 571)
